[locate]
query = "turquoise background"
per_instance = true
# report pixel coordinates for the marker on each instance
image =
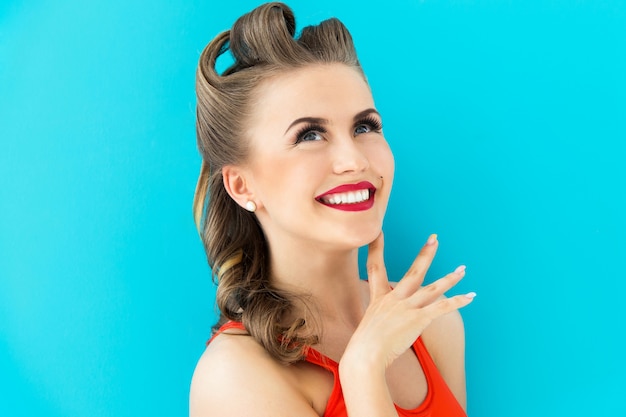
(508, 122)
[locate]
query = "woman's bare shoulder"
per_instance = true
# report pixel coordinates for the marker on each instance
(445, 335)
(444, 339)
(235, 376)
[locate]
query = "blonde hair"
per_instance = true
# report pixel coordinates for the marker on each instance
(263, 44)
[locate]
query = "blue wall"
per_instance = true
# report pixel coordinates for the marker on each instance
(508, 121)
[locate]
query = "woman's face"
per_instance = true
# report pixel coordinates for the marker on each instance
(319, 167)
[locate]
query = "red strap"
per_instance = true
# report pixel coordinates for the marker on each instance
(227, 326)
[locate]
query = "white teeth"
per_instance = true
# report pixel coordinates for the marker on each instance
(351, 197)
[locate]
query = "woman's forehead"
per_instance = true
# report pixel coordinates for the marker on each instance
(317, 90)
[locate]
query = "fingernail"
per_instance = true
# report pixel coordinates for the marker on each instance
(460, 269)
(431, 240)
(470, 295)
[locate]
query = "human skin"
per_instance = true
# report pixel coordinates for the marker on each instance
(284, 178)
(367, 327)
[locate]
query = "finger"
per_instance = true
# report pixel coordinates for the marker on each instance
(447, 305)
(431, 292)
(376, 272)
(414, 277)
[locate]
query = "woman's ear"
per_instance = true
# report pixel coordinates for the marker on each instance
(238, 185)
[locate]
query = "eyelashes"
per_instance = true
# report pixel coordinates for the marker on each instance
(308, 132)
(312, 132)
(372, 122)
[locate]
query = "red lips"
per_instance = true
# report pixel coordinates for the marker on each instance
(346, 188)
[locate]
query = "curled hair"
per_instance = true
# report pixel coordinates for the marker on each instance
(263, 43)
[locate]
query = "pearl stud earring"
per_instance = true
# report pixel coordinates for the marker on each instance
(251, 206)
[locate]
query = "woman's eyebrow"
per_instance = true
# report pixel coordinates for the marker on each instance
(321, 121)
(312, 120)
(364, 113)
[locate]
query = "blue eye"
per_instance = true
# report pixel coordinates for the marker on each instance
(367, 125)
(310, 133)
(361, 129)
(310, 136)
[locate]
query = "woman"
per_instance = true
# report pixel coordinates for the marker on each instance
(297, 174)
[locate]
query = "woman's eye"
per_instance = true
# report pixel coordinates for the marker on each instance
(367, 125)
(362, 129)
(310, 134)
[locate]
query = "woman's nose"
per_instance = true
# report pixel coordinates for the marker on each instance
(348, 157)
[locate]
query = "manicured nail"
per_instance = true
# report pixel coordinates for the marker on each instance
(431, 240)
(470, 295)
(460, 269)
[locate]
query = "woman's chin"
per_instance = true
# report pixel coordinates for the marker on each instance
(364, 237)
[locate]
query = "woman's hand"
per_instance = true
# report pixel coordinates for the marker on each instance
(396, 317)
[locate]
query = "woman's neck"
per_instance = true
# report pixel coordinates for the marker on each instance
(329, 278)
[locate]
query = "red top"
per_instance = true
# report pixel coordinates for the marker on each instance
(439, 401)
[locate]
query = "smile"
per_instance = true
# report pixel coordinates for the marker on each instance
(349, 197)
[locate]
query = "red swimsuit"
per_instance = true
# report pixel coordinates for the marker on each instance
(439, 401)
